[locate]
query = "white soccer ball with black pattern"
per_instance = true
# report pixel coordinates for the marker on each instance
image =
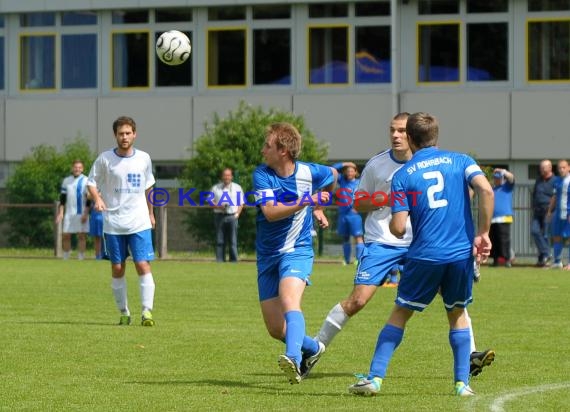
(173, 47)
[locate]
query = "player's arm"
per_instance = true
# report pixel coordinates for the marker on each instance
(398, 223)
(485, 198)
(365, 202)
(98, 202)
(61, 207)
(150, 206)
(551, 206)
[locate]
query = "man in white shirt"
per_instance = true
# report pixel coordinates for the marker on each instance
(228, 204)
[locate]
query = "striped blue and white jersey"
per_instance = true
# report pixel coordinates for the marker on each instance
(285, 235)
(562, 192)
(76, 194)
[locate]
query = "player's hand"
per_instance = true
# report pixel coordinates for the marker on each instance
(320, 218)
(321, 198)
(482, 248)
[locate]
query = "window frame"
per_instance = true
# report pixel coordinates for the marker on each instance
(527, 23)
(349, 51)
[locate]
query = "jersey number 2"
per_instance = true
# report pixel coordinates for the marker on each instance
(435, 188)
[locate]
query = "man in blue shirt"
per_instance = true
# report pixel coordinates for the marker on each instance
(285, 192)
(349, 222)
(433, 189)
(559, 215)
(500, 234)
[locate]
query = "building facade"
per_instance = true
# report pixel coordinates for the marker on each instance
(495, 72)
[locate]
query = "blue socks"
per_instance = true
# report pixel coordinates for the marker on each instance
(460, 342)
(346, 251)
(294, 335)
(557, 249)
(388, 340)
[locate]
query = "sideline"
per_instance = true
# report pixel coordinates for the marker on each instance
(498, 403)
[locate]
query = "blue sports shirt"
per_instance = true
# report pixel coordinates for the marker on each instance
(345, 191)
(433, 186)
(562, 192)
(285, 235)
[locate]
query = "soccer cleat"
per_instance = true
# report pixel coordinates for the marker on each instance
(390, 285)
(479, 360)
(555, 265)
(365, 386)
(463, 390)
(147, 319)
(308, 362)
(125, 320)
(476, 272)
(290, 369)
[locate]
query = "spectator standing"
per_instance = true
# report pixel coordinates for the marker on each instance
(559, 214)
(500, 234)
(228, 204)
(349, 223)
(71, 210)
(541, 194)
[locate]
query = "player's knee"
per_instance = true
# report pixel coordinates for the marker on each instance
(354, 304)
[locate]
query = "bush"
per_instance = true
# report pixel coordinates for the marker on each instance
(236, 142)
(37, 180)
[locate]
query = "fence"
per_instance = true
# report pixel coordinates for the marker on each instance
(171, 233)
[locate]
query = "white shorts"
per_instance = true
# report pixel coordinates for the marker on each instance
(72, 224)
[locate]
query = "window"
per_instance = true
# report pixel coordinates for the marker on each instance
(37, 62)
(372, 58)
(271, 12)
(166, 75)
(438, 52)
(328, 10)
(226, 13)
(78, 61)
(548, 50)
(487, 6)
(37, 19)
(173, 15)
(226, 57)
(130, 57)
(130, 16)
(376, 8)
(548, 5)
(271, 56)
(438, 6)
(78, 18)
(328, 55)
(486, 63)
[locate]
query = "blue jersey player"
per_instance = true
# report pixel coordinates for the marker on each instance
(433, 189)
(286, 190)
(559, 214)
(349, 221)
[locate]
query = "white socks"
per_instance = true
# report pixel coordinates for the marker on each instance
(119, 286)
(146, 283)
(473, 349)
(332, 325)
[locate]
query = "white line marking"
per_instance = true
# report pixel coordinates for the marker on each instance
(497, 405)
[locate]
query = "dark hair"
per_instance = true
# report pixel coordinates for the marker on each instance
(124, 120)
(422, 129)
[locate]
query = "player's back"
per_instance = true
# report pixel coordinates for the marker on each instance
(435, 185)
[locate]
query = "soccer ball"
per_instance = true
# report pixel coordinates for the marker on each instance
(173, 47)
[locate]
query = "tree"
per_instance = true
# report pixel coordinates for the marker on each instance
(37, 180)
(236, 142)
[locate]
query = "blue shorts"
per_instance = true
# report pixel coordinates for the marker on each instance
(376, 262)
(139, 245)
(560, 228)
(96, 224)
(420, 282)
(271, 269)
(349, 224)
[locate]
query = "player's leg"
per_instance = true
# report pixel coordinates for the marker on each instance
(66, 245)
(456, 291)
(140, 245)
(389, 339)
(357, 231)
(373, 268)
(232, 238)
(81, 245)
(342, 231)
(117, 249)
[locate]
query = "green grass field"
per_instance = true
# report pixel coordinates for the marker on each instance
(61, 350)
